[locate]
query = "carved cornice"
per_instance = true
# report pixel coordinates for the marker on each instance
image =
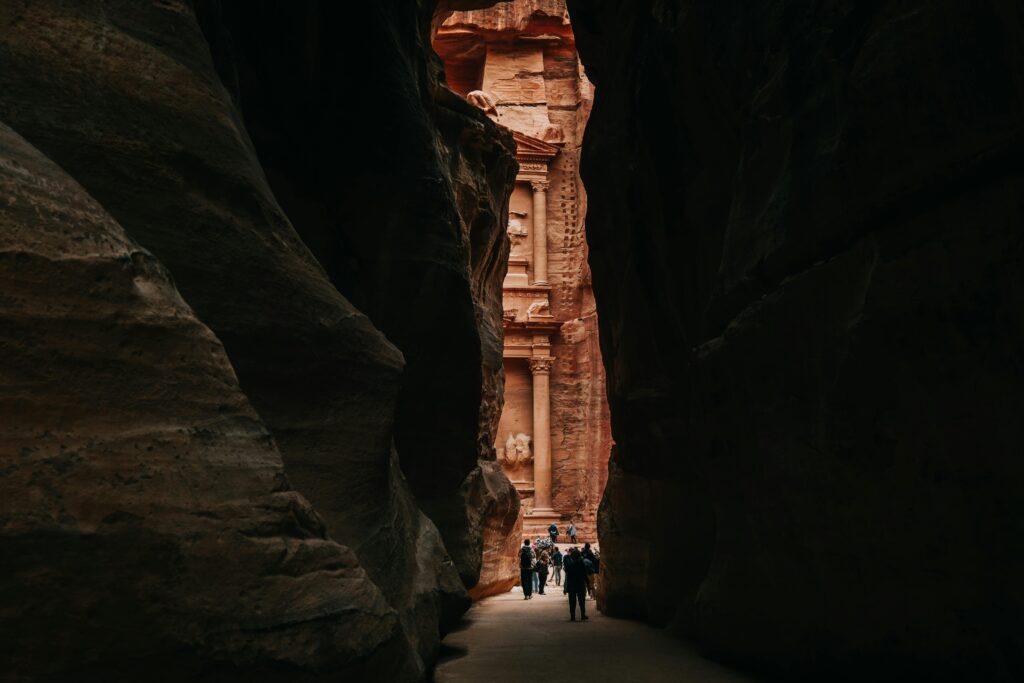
(529, 148)
(541, 366)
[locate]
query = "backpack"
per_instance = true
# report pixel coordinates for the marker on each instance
(525, 561)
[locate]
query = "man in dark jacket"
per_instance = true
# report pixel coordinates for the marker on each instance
(553, 533)
(556, 565)
(576, 583)
(526, 560)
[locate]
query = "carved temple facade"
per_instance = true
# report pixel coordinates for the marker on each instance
(518, 62)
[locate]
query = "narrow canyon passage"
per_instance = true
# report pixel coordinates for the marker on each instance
(311, 312)
(507, 639)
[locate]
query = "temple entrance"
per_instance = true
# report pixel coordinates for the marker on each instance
(518, 63)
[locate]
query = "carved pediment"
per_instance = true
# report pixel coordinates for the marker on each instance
(532, 149)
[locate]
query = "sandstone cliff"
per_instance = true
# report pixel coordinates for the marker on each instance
(148, 529)
(127, 99)
(805, 240)
(400, 189)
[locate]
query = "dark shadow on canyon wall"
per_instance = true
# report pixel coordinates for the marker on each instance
(372, 330)
(805, 234)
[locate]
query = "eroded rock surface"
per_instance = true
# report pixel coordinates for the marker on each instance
(805, 239)
(147, 526)
(126, 98)
(400, 188)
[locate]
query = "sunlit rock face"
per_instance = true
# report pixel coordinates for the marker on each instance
(148, 529)
(517, 62)
(142, 105)
(805, 239)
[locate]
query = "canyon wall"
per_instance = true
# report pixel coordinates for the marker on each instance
(805, 238)
(153, 467)
(400, 190)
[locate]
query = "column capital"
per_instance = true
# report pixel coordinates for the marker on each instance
(541, 365)
(540, 185)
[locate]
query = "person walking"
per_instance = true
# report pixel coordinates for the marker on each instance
(526, 561)
(591, 563)
(542, 571)
(576, 583)
(572, 532)
(556, 565)
(553, 533)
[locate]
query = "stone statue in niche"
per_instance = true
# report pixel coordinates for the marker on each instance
(517, 450)
(539, 308)
(515, 224)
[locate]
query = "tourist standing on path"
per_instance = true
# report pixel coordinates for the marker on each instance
(526, 562)
(556, 565)
(537, 580)
(553, 533)
(572, 532)
(542, 571)
(591, 562)
(576, 583)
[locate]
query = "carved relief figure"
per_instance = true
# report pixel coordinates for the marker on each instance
(517, 450)
(510, 450)
(538, 308)
(515, 224)
(523, 453)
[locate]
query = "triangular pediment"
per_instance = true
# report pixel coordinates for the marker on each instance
(527, 146)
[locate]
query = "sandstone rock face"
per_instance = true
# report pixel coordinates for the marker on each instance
(148, 529)
(126, 99)
(805, 240)
(502, 531)
(400, 189)
(518, 63)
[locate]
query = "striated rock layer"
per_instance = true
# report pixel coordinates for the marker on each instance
(805, 241)
(126, 98)
(148, 530)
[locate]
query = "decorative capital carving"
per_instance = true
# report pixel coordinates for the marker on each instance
(541, 366)
(540, 185)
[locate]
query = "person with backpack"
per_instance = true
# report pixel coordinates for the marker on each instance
(576, 583)
(527, 560)
(542, 571)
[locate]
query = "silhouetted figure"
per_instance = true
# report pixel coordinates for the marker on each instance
(526, 562)
(576, 583)
(542, 571)
(556, 566)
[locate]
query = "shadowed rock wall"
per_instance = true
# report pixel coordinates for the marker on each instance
(125, 97)
(805, 231)
(401, 191)
(147, 527)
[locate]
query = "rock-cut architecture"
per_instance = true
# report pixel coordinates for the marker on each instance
(518, 63)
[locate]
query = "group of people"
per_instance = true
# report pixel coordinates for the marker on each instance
(539, 559)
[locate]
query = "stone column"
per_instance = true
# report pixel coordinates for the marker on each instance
(540, 231)
(541, 369)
